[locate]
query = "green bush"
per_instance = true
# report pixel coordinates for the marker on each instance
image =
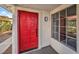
(5, 26)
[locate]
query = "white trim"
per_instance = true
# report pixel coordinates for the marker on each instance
(77, 28)
(5, 7)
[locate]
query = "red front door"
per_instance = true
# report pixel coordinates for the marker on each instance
(28, 30)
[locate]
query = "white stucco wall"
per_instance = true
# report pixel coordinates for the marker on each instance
(45, 29)
(59, 47)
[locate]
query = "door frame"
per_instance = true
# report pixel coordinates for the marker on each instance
(15, 29)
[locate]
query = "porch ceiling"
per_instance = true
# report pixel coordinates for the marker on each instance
(46, 7)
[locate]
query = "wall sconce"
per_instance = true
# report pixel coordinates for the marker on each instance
(45, 18)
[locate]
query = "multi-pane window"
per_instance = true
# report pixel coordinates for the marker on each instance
(71, 26)
(64, 26)
(55, 26)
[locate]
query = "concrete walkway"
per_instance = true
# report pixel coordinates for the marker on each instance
(5, 36)
(5, 42)
(9, 50)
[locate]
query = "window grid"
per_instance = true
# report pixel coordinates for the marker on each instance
(64, 27)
